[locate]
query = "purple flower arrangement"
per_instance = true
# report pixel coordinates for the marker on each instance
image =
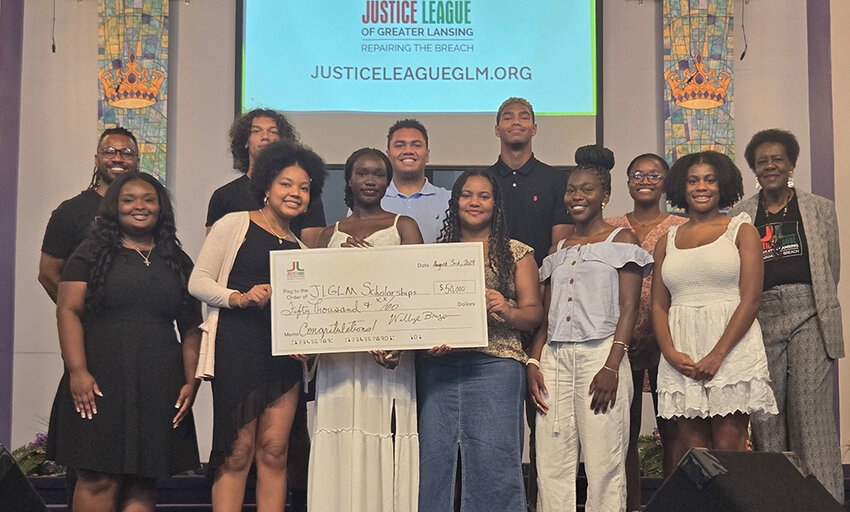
(32, 458)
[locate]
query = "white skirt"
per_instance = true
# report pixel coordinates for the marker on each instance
(356, 464)
(741, 384)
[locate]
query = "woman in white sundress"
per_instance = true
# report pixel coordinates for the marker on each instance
(706, 293)
(365, 449)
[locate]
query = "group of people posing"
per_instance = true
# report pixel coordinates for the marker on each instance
(727, 315)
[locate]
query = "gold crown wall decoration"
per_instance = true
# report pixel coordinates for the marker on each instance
(697, 88)
(132, 86)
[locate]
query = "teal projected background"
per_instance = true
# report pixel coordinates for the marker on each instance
(418, 56)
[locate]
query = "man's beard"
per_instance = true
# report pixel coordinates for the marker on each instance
(517, 146)
(106, 178)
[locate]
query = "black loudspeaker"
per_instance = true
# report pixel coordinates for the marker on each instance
(16, 493)
(717, 481)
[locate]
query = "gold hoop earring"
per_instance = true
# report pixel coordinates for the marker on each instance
(266, 201)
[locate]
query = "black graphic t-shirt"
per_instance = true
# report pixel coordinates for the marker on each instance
(783, 244)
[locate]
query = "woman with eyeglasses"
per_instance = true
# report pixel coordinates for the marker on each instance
(800, 313)
(645, 181)
(706, 293)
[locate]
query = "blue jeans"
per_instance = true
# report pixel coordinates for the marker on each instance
(471, 404)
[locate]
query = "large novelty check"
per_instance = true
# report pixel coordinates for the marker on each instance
(354, 299)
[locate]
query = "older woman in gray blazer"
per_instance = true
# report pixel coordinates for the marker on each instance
(800, 316)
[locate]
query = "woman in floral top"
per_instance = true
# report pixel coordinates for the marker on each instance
(471, 401)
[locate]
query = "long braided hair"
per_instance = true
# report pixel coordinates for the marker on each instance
(500, 257)
(106, 239)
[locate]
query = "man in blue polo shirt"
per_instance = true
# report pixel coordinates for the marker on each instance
(410, 192)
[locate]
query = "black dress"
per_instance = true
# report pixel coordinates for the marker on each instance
(247, 377)
(133, 353)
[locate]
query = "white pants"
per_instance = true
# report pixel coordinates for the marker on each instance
(571, 428)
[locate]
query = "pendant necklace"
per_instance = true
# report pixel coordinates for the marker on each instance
(146, 258)
(781, 213)
(279, 238)
(631, 218)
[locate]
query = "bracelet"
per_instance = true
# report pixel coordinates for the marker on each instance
(623, 343)
(533, 361)
(239, 301)
(611, 369)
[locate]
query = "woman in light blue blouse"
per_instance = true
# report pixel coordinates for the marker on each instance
(578, 375)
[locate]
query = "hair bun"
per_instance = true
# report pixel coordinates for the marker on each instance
(595, 156)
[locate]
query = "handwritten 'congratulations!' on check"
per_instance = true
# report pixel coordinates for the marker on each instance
(355, 299)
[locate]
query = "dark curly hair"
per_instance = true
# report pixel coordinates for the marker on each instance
(648, 156)
(279, 155)
(349, 169)
(729, 179)
(106, 239)
(95, 176)
(786, 138)
(500, 257)
(598, 159)
(241, 130)
(407, 123)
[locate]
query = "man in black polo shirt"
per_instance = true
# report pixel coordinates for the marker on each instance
(534, 207)
(70, 223)
(249, 134)
(533, 191)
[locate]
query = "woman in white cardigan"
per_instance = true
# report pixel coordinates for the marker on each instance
(254, 393)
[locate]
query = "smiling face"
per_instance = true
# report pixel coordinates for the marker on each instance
(263, 131)
(108, 167)
(773, 166)
(702, 191)
(289, 193)
(584, 195)
(475, 203)
(408, 152)
(516, 125)
(646, 181)
(368, 180)
(138, 208)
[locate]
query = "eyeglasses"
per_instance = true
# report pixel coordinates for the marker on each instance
(638, 176)
(110, 152)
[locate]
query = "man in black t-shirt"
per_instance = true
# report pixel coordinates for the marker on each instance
(533, 191)
(249, 134)
(70, 223)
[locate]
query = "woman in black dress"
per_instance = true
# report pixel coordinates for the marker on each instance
(254, 393)
(122, 413)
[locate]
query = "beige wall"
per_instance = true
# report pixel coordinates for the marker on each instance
(840, 13)
(58, 128)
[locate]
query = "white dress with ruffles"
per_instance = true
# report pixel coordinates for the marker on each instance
(704, 285)
(357, 463)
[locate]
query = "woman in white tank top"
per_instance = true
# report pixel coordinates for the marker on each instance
(365, 452)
